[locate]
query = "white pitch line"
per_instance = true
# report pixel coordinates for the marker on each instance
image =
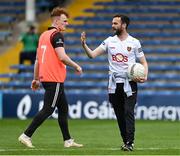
(150, 148)
(26, 149)
(103, 149)
(156, 148)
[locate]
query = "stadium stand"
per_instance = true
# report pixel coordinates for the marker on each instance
(12, 12)
(155, 23)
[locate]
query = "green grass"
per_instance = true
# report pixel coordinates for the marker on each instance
(100, 137)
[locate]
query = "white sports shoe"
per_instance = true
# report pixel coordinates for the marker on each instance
(71, 143)
(24, 139)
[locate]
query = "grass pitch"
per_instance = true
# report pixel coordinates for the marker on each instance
(100, 137)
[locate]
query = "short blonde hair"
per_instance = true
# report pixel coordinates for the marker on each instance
(57, 11)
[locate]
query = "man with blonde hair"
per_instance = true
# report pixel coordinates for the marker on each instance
(50, 70)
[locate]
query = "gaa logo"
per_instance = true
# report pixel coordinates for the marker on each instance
(119, 58)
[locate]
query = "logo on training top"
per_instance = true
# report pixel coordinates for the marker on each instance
(140, 50)
(119, 58)
(59, 41)
(129, 49)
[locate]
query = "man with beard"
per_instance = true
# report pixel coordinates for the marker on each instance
(122, 50)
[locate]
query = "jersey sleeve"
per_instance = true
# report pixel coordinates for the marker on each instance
(104, 44)
(138, 50)
(57, 40)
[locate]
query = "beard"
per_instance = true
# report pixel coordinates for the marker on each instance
(117, 32)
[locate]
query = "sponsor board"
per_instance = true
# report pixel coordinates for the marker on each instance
(94, 106)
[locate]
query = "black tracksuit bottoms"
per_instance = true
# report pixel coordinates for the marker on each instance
(54, 97)
(124, 111)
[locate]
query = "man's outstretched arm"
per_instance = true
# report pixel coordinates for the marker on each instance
(90, 53)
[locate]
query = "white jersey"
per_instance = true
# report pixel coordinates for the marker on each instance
(121, 53)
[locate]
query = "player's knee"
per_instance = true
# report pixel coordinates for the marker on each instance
(48, 111)
(128, 112)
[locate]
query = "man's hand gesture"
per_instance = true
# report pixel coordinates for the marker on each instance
(35, 84)
(83, 38)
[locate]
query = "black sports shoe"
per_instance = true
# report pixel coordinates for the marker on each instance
(127, 147)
